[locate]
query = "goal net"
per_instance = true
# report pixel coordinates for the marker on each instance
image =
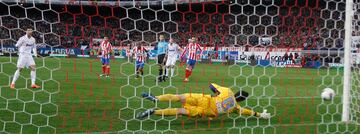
(355, 58)
(282, 52)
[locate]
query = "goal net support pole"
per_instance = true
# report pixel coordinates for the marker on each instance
(347, 62)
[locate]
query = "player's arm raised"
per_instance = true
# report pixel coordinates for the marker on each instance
(184, 52)
(199, 47)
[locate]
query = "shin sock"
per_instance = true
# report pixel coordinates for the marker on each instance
(33, 77)
(16, 76)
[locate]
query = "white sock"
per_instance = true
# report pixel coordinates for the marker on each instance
(16, 76)
(33, 77)
(172, 72)
(167, 72)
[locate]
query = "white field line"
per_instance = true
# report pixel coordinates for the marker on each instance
(139, 100)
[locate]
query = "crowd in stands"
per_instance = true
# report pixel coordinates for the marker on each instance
(356, 20)
(289, 28)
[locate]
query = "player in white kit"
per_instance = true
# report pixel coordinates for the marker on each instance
(172, 53)
(25, 45)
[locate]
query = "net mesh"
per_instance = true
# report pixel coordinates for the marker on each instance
(288, 51)
(354, 92)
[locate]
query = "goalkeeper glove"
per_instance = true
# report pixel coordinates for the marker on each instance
(265, 114)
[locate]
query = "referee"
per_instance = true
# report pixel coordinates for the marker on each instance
(161, 48)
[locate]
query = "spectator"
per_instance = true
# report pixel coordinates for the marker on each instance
(214, 28)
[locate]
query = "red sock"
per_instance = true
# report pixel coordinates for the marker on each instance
(108, 71)
(103, 69)
(187, 73)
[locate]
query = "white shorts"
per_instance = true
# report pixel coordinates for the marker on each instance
(25, 61)
(171, 61)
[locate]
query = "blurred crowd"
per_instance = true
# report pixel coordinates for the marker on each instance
(288, 27)
(356, 20)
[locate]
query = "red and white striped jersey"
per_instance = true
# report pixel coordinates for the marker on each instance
(128, 52)
(106, 49)
(140, 53)
(192, 49)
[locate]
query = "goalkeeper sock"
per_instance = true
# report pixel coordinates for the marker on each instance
(168, 111)
(16, 76)
(168, 97)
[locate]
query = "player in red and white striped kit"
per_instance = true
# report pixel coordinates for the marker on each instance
(140, 54)
(106, 49)
(192, 48)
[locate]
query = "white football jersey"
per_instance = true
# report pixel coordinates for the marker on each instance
(173, 50)
(26, 45)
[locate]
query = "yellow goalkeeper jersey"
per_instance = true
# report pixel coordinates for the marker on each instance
(225, 101)
(201, 104)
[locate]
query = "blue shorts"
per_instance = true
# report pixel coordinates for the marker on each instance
(139, 64)
(105, 61)
(191, 63)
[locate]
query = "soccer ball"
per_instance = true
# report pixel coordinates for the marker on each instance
(328, 94)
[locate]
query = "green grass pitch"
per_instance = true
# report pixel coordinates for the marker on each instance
(75, 100)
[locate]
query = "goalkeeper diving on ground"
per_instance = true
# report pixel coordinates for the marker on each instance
(224, 101)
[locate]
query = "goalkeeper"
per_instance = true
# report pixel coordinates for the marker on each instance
(223, 101)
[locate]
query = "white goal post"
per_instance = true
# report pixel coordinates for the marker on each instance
(347, 61)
